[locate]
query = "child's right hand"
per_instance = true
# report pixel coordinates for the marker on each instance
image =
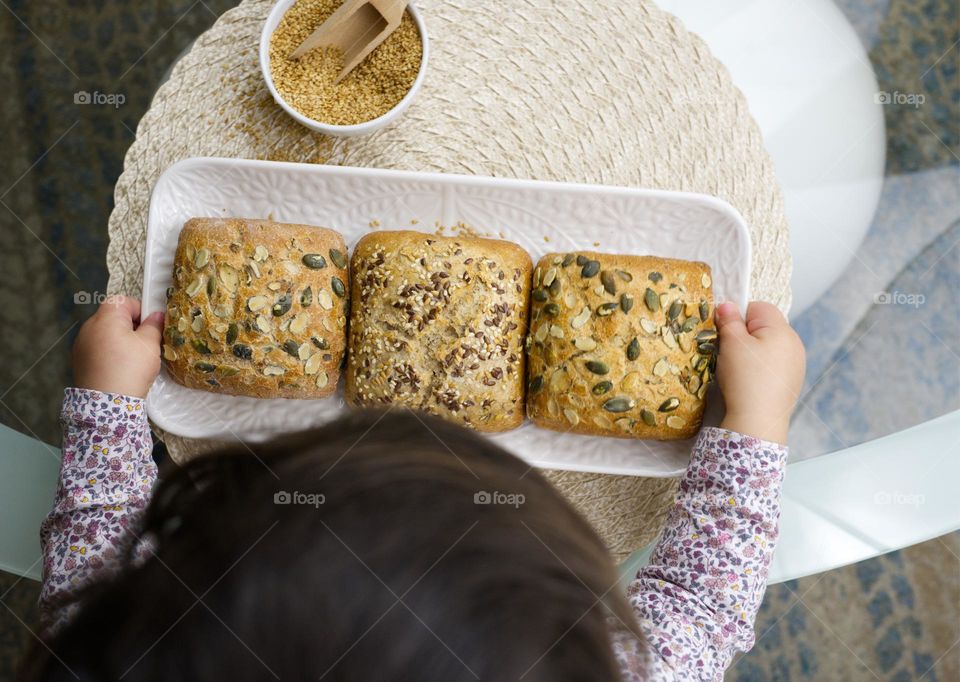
(760, 370)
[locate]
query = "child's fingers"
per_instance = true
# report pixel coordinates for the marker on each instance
(122, 308)
(761, 315)
(729, 323)
(151, 329)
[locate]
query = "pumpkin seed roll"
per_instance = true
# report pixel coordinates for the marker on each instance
(257, 308)
(438, 324)
(620, 345)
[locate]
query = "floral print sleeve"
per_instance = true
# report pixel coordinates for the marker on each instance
(106, 478)
(698, 597)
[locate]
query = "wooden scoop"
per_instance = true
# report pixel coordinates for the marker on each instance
(356, 28)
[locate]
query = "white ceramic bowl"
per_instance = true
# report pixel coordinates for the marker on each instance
(273, 20)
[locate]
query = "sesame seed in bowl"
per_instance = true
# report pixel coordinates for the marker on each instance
(373, 95)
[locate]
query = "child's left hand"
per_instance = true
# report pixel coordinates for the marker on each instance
(117, 353)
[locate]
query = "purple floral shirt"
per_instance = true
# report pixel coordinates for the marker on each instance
(696, 600)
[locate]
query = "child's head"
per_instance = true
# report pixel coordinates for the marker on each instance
(385, 546)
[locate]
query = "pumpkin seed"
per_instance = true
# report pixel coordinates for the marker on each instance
(706, 348)
(704, 311)
(554, 287)
(590, 269)
(242, 351)
(688, 324)
(571, 416)
(255, 303)
(211, 287)
(169, 292)
(675, 309)
(535, 384)
(194, 287)
(202, 257)
(338, 258)
(669, 405)
(312, 365)
(626, 303)
(619, 405)
(227, 371)
(320, 343)
(177, 339)
(169, 353)
(703, 391)
(228, 277)
(581, 318)
(337, 285)
(606, 309)
(324, 299)
(701, 363)
(322, 380)
(314, 261)
(232, 333)
(648, 417)
(625, 424)
(549, 276)
(694, 384)
(292, 348)
(705, 280)
(539, 295)
(260, 253)
(567, 260)
(299, 323)
(306, 297)
(609, 282)
(200, 346)
(204, 367)
(648, 325)
(601, 387)
(706, 335)
(282, 306)
(624, 275)
(263, 324)
(597, 367)
(584, 343)
(582, 260)
(675, 422)
(633, 349)
(661, 367)
(551, 309)
(273, 371)
(651, 299)
(655, 277)
(669, 340)
(304, 351)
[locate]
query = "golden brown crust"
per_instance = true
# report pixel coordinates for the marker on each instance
(605, 357)
(247, 316)
(438, 325)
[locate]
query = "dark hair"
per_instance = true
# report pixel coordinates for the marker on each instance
(426, 552)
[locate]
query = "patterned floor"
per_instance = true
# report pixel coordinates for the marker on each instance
(893, 618)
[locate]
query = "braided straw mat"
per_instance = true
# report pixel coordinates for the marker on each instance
(594, 91)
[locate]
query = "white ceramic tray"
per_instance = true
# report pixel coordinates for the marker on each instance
(540, 216)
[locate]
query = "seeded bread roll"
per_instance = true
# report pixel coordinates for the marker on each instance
(620, 345)
(257, 308)
(438, 325)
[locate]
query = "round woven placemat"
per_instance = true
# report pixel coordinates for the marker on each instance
(593, 91)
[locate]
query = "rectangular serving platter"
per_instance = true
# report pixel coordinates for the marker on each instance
(542, 217)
